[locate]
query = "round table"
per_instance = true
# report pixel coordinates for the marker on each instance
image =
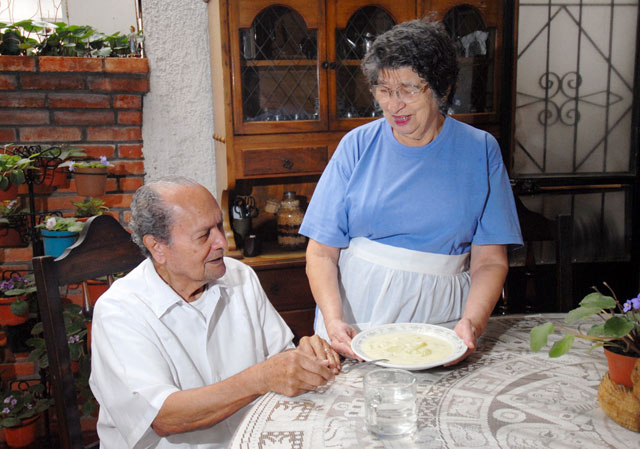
(502, 396)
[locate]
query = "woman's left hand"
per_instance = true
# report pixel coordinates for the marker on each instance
(469, 335)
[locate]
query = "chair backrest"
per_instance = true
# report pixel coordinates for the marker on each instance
(103, 248)
(536, 227)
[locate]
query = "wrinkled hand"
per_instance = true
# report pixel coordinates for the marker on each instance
(321, 349)
(295, 372)
(341, 334)
(469, 335)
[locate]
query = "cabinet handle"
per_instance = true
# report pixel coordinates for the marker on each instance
(275, 288)
(288, 164)
(329, 65)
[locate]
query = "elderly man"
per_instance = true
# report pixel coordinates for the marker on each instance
(188, 338)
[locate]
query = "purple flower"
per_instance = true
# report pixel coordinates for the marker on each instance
(5, 410)
(74, 339)
(29, 406)
(71, 166)
(13, 402)
(633, 303)
(6, 285)
(8, 399)
(103, 160)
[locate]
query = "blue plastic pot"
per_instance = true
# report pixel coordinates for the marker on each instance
(55, 242)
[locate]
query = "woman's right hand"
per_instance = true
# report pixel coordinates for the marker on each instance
(341, 334)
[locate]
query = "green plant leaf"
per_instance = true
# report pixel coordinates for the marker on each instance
(597, 330)
(581, 313)
(17, 177)
(4, 183)
(617, 327)
(539, 335)
(597, 299)
(562, 346)
(19, 307)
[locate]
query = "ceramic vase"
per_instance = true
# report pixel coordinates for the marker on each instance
(90, 181)
(7, 317)
(23, 435)
(55, 242)
(11, 238)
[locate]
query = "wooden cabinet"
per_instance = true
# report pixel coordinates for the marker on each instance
(287, 86)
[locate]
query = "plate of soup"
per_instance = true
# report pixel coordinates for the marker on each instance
(410, 346)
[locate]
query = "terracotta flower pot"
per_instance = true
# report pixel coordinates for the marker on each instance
(96, 288)
(23, 435)
(10, 238)
(90, 181)
(7, 317)
(9, 194)
(53, 178)
(620, 367)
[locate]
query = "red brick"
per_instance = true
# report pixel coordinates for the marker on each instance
(7, 135)
(95, 151)
(8, 82)
(50, 134)
(62, 203)
(22, 100)
(127, 101)
(23, 116)
(120, 200)
(18, 254)
(130, 151)
(126, 65)
(114, 133)
(130, 183)
(79, 101)
(17, 63)
(130, 117)
(129, 168)
(51, 81)
(83, 117)
(70, 64)
(118, 84)
(13, 370)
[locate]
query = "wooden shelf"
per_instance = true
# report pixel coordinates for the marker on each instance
(280, 62)
(271, 256)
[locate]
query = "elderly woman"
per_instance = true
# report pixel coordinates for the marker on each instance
(411, 219)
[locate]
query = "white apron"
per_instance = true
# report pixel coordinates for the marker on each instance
(382, 284)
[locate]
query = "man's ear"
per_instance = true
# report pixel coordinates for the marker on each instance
(155, 247)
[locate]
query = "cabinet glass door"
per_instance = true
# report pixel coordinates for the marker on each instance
(357, 24)
(277, 60)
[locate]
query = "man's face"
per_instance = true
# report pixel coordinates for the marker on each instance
(194, 256)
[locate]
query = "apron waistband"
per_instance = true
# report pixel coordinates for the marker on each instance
(407, 259)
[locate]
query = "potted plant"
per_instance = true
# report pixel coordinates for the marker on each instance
(89, 207)
(619, 333)
(90, 176)
(10, 222)
(50, 161)
(12, 174)
(14, 295)
(58, 233)
(77, 332)
(21, 408)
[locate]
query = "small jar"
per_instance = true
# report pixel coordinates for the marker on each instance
(289, 220)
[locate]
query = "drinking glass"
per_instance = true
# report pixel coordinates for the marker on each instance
(390, 403)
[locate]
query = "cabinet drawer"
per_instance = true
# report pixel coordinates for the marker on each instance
(282, 161)
(287, 288)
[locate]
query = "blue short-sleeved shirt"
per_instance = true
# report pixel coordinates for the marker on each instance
(438, 198)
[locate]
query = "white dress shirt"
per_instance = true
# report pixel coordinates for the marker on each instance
(147, 342)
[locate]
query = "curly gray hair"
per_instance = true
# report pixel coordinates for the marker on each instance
(150, 215)
(421, 45)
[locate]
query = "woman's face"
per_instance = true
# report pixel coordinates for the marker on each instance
(415, 119)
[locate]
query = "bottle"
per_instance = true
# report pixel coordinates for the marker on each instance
(289, 220)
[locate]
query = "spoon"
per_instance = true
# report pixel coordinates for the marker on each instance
(348, 368)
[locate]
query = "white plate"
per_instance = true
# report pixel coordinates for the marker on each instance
(432, 330)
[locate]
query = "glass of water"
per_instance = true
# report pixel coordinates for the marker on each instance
(390, 403)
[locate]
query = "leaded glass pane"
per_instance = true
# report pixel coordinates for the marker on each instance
(279, 67)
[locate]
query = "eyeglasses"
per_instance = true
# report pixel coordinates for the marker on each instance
(406, 94)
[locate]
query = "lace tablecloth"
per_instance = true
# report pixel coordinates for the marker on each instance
(503, 396)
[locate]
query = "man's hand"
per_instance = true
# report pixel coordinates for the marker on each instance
(294, 372)
(341, 335)
(322, 350)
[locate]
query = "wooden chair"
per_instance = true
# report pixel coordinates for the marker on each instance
(535, 227)
(103, 248)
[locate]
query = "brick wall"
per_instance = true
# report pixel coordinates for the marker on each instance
(92, 103)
